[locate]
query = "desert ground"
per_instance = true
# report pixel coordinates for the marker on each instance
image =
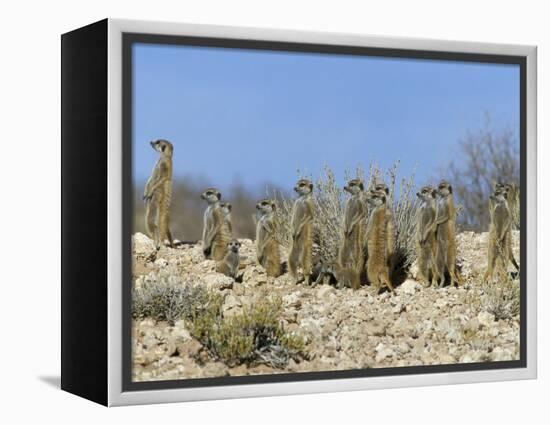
(339, 328)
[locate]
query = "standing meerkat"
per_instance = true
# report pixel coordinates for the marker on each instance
(215, 235)
(499, 245)
(426, 252)
(390, 229)
(158, 193)
(377, 262)
(302, 231)
(267, 248)
(351, 247)
(445, 234)
(226, 211)
(229, 266)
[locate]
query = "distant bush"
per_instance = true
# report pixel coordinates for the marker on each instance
(486, 156)
(254, 336)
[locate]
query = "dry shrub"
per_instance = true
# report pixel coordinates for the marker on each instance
(405, 207)
(329, 201)
(501, 297)
(171, 301)
(254, 336)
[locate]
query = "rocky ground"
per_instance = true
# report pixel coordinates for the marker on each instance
(343, 329)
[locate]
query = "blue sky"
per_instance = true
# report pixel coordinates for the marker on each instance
(256, 117)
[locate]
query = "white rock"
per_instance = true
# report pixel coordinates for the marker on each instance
(409, 287)
(217, 281)
(486, 319)
(441, 303)
(161, 262)
(231, 303)
(383, 352)
(142, 245)
(325, 291)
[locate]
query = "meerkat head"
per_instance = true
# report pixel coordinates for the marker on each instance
(426, 194)
(265, 206)
(226, 207)
(499, 196)
(354, 186)
(234, 245)
(383, 187)
(164, 147)
(211, 195)
(444, 188)
(502, 187)
(376, 198)
(303, 187)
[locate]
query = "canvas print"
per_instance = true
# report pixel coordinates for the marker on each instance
(298, 212)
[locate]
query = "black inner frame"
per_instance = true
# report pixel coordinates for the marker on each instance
(128, 39)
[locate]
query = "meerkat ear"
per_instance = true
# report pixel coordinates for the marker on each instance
(273, 206)
(361, 186)
(229, 207)
(219, 195)
(163, 147)
(387, 190)
(433, 193)
(450, 189)
(311, 186)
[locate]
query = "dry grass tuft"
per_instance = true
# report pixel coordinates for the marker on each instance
(501, 297)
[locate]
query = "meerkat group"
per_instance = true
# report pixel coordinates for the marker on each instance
(499, 246)
(436, 230)
(367, 244)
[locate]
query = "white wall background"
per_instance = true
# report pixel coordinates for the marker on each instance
(30, 235)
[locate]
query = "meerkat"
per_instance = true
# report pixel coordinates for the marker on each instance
(229, 266)
(215, 235)
(390, 229)
(351, 247)
(302, 231)
(445, 234)
(426, 239)
(226, 211)
(499, 244)
(512, 198)
(158, 193)
(377, 262)
(267, 248)
(346, 277)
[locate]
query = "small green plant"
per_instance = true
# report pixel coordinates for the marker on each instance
(253, 336)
